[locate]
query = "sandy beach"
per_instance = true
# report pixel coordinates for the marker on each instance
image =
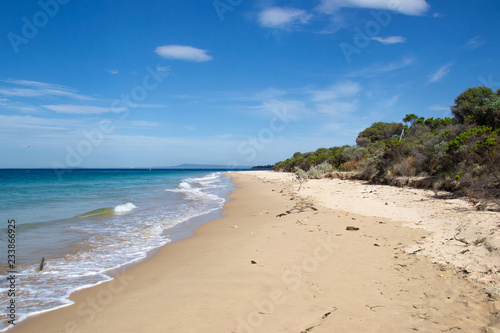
(337, 256)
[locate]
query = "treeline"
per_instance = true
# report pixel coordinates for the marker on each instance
(457, 153)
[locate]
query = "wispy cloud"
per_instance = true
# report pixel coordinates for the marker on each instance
(338, 108)
(408, 7)
(270, 93)
(21, 92)
(14, 123)
(380, 69)
(440, 73)
(388, 103)
(282, 18)
(291, 109)
(339, 99)
(436, 107)
(336, 91)
(32, 96)
(152, 106)
(183, 52)
(112, 71)
(142, 123)
(336, 23)
(26, 88)
(390, 40)
(83, 109)
(38, 84)
(25, 108)
(474, 43)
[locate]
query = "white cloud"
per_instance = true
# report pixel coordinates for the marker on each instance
(408, 7)
(390, 40)
(82, 109)
(112, 71)
(339, 90)
(39, 89)
(182, 52)
(379, 69)
(440, 73)
(474, 43)
(276, 17)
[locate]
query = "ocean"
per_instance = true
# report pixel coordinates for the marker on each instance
(87, 222)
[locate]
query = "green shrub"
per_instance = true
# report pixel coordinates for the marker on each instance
(319, 171)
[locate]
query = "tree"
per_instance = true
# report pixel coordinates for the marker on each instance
(480, 105)
(489, 113)
(378, 131)
(410, 118)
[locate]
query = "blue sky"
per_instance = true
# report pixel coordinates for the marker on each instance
(232, 82)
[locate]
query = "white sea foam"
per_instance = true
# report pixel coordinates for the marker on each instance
(184, 185)
(197, 188)
(128, 207)
(207, 181)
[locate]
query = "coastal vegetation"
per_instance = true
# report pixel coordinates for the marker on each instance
(459, 153)
(263, 167)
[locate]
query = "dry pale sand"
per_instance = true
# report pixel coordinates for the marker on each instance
(283, 261)
(460, 235)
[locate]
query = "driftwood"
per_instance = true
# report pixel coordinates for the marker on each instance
(42, 263)
(462, 240)
(322, 318)
(299, 209)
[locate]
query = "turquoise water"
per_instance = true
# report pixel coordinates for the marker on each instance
(87, 222)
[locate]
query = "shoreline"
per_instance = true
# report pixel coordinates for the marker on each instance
(252, 271)
(176, 234)
(85, 250)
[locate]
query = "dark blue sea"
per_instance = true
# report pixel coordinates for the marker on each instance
(87, 222)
